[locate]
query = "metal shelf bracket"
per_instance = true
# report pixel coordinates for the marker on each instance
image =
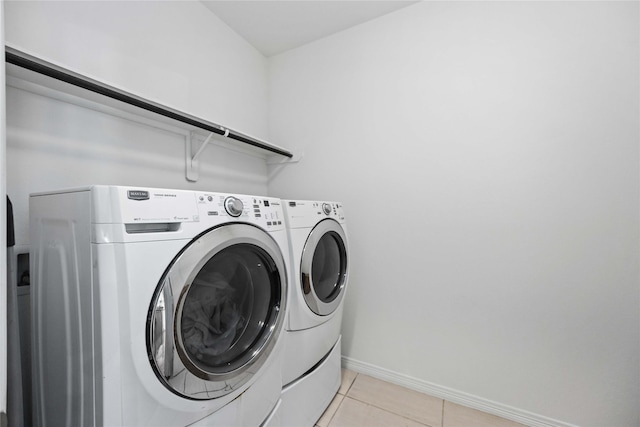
(191, 158)
(193, 153)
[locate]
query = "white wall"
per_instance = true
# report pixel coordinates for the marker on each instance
(487, 155)
(176, 53)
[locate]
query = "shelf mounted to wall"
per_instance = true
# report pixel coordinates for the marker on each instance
(125, 100)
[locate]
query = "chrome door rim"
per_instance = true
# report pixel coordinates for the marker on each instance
(314, 302)
(175, 369)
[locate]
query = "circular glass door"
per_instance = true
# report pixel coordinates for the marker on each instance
(323, 267)
(217, 312)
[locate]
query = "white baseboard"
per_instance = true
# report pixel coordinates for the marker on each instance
(454, 396)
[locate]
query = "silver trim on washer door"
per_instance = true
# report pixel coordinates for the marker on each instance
(167, 296)
(252, 338)
(326, 306)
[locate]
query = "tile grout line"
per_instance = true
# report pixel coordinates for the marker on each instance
(403, 415)
(344, 396)
(385, 410)
(351, 385)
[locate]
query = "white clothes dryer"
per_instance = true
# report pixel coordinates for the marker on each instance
(157, 307)
(319, 273)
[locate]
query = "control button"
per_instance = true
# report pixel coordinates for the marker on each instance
(233, 206)
(201, 198)
(266, 203)
(326, 208)
(210, 198)
(268, 222)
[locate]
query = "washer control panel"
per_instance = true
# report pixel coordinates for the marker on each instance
(263, 211)
(142, 213)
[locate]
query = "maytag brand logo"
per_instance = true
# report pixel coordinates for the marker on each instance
(138, 194)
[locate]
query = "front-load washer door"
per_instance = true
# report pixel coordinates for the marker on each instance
(323, 267)
(217, 312)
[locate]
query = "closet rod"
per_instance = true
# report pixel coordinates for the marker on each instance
(34, 64)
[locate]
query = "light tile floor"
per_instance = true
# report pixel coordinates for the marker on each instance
(363, 401)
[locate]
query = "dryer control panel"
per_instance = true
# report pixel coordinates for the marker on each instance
(306, 213)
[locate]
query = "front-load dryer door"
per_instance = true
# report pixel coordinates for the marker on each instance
(217, 312)
(323, 267)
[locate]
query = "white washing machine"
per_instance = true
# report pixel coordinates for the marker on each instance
(157, 307)
(319, 273)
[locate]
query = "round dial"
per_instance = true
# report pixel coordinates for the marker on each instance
(233, 206)
(326, 208)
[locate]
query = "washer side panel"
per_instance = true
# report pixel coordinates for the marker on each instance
(64, 357)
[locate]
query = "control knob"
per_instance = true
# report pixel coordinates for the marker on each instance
(233, 206)
(326, 208)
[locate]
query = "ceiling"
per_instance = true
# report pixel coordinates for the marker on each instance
(275, 26)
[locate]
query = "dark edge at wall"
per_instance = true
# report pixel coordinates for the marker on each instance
(34, 64)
